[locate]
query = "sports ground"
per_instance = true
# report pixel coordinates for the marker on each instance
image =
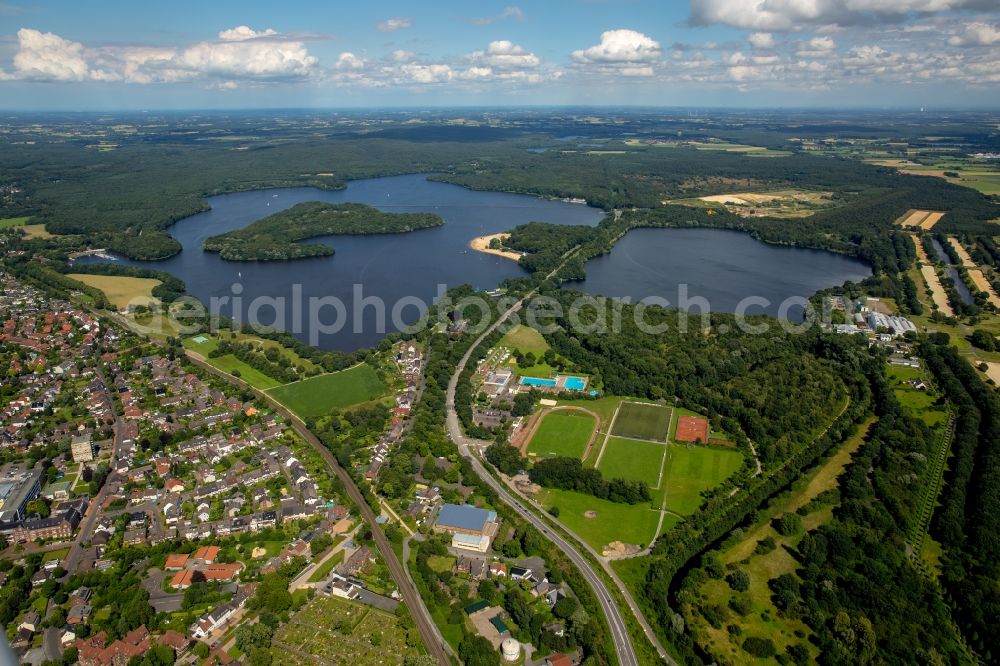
(636, 447)
(562, 433)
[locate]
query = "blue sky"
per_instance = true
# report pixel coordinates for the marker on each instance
(738, 53)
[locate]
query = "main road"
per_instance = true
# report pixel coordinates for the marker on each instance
(466, 446)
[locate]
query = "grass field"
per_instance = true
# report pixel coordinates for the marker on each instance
(633, 460)
(691, 470)
(121, 290)
(8, 222)
(920, 402)
(526, 339)
(630, 523)
(211, 341)
(323, 570)
(229, 363)
(316, 396)
(642, 421)
(562, 433)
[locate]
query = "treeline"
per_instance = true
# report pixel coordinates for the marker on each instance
(570, 474)
(275, 237)
(968, 521)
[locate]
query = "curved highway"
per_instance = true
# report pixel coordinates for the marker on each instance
(619, 632)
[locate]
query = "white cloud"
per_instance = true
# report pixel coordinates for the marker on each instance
(240, 53)
(817, 47)
(504, 54)
(400, 55)
(976, 34)
(348, 61)
(393, 24)
(43, 55)
(435, 73)
(242, 33)
(761, 40)
(626, 52)
(785, 15)
(512, 12)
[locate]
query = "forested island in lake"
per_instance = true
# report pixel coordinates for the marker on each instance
(275, 238)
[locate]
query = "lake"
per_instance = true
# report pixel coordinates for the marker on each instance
(408, 268)
(721, 266)
(390, 267)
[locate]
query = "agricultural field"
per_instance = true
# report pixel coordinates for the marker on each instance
(784, 204)
(318, 395)
(919, 219)
(633, 460)
(562, 433)
(7, 222)
(642, 421)
(329, 630)
(763, 565)
(121, 290)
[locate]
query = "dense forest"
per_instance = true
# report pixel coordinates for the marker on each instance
(968, 521)
(275, 237)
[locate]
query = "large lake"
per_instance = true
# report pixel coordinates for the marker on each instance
(720, 265)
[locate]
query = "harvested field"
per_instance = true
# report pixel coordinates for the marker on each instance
(121, 290)
(921, 253)
(931, 220)
(983, 285)
(912, 218)
(784, 203)
(962, 253)
(35, 231)
(937, 290)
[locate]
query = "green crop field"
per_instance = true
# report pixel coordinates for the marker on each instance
(316, 396)
(691, 470)
(632, 460)
(12, 222)
(642, 421)
(562, 433)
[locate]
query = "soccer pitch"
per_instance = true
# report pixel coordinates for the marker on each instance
(633, 461)
(562, 433)
(642, 421)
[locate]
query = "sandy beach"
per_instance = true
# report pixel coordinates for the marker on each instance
(482, 244)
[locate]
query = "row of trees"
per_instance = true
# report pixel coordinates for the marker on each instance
(570, 474)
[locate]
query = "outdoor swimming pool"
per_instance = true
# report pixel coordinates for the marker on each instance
(561, 381)
(537, 381)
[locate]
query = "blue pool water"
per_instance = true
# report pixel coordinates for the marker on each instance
(535, 381)
(575, 383)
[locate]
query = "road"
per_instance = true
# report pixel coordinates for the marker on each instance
(619, 631)
(87, 524)
(429, 632)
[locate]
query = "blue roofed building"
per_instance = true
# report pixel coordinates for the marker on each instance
(471, 528)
